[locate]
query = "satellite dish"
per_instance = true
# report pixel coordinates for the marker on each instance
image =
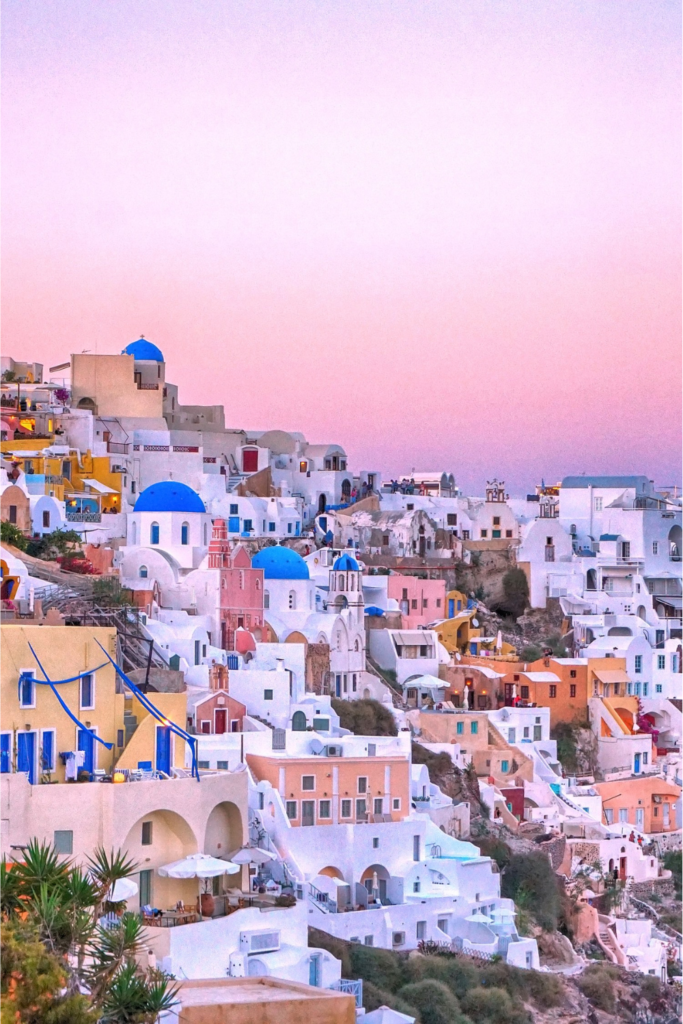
(475, 622)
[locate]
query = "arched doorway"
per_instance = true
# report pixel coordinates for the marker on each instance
(675, 543)
(87, 403)
(299, 722)
(322, 504)
(156, 839)
(375, 879)
(591, 580)
(224, 831)
(346, 490)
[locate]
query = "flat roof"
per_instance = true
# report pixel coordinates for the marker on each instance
(250, 990)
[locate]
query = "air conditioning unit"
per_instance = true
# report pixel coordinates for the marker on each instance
(398, 938)
(334, 750)
(237, 967)
(259, 942)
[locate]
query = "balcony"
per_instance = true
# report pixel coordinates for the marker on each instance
(147, 387)
(117, 448)
(83, 517)
(352, 988)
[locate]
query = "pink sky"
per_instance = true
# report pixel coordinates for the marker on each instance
(443, 234)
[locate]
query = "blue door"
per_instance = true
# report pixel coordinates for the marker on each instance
(164, 749)
(234, 524)
(338, 686)
(5, 752)
(451, 608)
(636, 764)
(26, 754)
(86, 743)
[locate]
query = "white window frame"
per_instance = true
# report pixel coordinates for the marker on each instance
(305, 789)
(396, 803)
(349, 816)
(295, 805)
(91, 706)
(366, 791)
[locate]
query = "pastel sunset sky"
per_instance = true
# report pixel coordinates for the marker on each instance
(443, 233)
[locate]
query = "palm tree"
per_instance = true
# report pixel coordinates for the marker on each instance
(63, 904)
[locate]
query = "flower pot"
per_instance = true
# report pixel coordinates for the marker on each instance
(207, 904)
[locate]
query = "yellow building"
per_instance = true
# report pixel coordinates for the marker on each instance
(86, 482)
(456, 632)
(102, 729)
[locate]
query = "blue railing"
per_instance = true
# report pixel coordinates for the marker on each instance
(352, 988)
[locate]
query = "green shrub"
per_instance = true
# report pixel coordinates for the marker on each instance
(11, 534)
(650, 988)
(530, 880)
(374, 997)
(598, 987)
(378, 966)
(515, 593)
(434, 1002)
(545, 989)
(492, 1006)
(530, 653)
(673, 862)
(365, 717)
(495, 848)
(459, 975)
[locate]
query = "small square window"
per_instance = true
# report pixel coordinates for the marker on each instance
(397, 803)
(484, 533)
(375, 843)
(496, 520)
(291, 809)
(222, 765)
(525, 692)
(147, 833)
(413, 603)
(508, 533)
(308, 783)
(234, 510)
(325, 809)
(572, 673)
(474, 728)
(64, 841)
(267, 694)
(552, 690)
(504, 767)
(459, 728)
(271, 527)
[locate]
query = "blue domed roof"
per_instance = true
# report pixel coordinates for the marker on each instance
(169, 496)
(280, 563)
(143, 349)
(346, 563)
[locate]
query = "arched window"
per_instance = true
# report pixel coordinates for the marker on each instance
(134, 533)
(266, 599)
(205, 534)
(154, 533)
(185, 533)
(352, 582)
(292, 600)
(341, 581)
(258, 584)
(299, 722)
(356, 645)
(241, 579)
(142, 572)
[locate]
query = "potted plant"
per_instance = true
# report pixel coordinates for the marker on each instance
(207, 904)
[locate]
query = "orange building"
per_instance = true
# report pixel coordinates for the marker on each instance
(564, 684)
(338, 790)
(647, 803)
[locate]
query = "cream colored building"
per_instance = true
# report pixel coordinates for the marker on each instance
(155, 822)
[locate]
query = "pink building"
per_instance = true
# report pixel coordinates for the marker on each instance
(420, 601)
(241, 587)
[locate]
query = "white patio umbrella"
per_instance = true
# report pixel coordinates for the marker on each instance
(123, 889)
(198, 865)
(478, 917)
(252, 855)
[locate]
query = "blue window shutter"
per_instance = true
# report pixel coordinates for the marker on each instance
(48, 751)
(5, 753)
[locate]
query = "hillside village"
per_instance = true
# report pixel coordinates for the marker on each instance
(399, 753)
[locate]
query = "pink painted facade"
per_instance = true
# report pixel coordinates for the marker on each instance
(241, 587)
(420, 601)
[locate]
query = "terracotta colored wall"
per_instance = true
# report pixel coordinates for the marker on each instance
(15, 496)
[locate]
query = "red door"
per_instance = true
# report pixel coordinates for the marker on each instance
(249, 460)
(221, 724)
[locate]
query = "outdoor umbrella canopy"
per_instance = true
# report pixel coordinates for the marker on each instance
(478, 918)
(198, 865)
(123, 889)
(252, 855)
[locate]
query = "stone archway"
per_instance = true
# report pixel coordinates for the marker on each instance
(156, 839)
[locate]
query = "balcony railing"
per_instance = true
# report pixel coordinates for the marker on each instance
(117, 448)
(147, 387)
(352, 988)
(83, 517)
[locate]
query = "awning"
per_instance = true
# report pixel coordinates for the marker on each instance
(670, 602)
(612, 675)
(418, 638)
(95, 485)
(541, 677)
